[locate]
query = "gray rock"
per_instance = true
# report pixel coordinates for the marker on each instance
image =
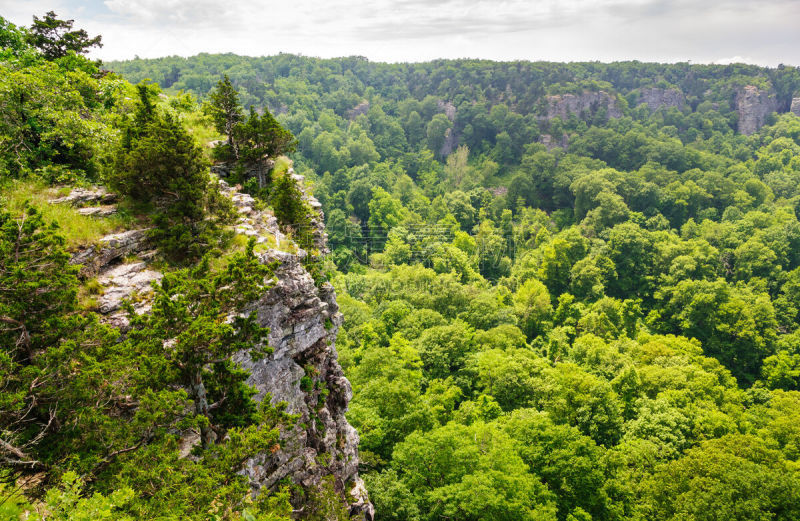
(753, 106)
(587, 102)
(656, 98)
(82, 196)
(795, 108)
(551, 144)
(124, 281)
(448, 108)
(450, 143)
(358, 110)
(110, 248)
(98, 211)
(303, 321)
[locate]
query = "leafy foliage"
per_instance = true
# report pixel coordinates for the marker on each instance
(55, 38)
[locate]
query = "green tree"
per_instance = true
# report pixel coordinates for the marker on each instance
(55, 38)
(736, 478)
(470, 473)
(226, 112)
(37, 296)
(259, 137)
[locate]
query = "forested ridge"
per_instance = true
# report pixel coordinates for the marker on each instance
(570, 291)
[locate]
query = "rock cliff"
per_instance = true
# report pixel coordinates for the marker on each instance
(321, 450)
(585, 103)
(303, 371)
(795, 108)
(753, 106)
(656, 98)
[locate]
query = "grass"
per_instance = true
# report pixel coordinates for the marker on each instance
(78, 230)
(201, 128)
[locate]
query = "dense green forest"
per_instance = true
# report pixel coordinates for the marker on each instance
(571, 291)
(552, 313)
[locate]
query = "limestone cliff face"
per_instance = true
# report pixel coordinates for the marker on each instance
(753, 106)
(303, 370)
(587, 102)
(656, 98)
(795, 108)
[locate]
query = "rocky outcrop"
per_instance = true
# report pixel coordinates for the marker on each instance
(358, 110)
(656, 98)
(84, 196)
(321, 449)
(131, 281)
(450, 143)
(448, 108)
(303, 371)
(550, 143)
(586, 103)
(753, 106)
(109, 249)
(318, 234)
(795, 107)
(98, 211)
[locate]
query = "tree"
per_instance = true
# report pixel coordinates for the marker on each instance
(191, 309)
(55, 38)
(736, 477)
(533, 307)
(290, 208)
(470, 473)
(437, 132)
(226, 112)
(37, 296)
(568, 462)
(261, 137)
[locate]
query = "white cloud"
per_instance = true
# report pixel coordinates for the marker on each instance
(413, 30)
(735, 59)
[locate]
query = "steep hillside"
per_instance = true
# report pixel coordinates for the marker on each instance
(168, 341)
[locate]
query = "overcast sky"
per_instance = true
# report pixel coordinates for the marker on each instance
(702, 31)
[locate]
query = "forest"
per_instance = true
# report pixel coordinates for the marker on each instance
(583, 317)
(571, 292)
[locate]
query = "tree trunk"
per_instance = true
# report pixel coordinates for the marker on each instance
(201, 407)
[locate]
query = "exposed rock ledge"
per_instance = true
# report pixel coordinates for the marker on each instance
(587, 102)
(795, 108)
(656, 98)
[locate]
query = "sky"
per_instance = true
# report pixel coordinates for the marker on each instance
(701, 31)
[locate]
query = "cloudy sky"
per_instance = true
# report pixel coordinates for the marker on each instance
(702, 31)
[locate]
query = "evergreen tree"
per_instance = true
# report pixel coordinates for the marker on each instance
(290, 209)
(226, 112)
(261, 137)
